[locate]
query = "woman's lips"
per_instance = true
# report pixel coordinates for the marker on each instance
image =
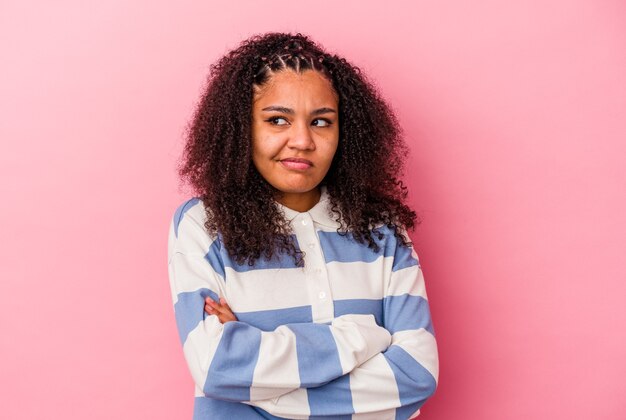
(296, 163)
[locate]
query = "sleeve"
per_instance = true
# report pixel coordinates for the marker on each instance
(238, 362)
(395, 383)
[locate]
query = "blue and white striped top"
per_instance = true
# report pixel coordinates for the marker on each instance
(347, 336)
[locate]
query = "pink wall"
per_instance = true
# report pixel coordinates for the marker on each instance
(516, 116)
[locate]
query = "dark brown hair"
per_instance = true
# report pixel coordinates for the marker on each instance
(363, 181)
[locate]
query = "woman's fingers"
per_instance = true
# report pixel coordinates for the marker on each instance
(212, 303)
(221, 310)
(225, 304)
(230, 315)
(217, 308)
(210, 306)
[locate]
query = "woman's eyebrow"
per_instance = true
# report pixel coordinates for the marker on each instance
(323, 111)
(290, 111)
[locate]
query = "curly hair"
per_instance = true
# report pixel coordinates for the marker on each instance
(362, 182)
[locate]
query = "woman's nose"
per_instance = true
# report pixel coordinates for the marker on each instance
(301, 137)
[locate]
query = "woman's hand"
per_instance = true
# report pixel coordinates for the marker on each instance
(221, 310)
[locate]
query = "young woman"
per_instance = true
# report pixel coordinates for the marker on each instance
(296, 290)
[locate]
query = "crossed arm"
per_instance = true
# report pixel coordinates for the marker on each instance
(393, 384)
(235, 361)
(357, 367)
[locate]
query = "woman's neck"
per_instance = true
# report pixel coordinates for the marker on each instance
(300, 202)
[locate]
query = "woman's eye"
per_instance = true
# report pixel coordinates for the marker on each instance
(321, 123)
(277, 121)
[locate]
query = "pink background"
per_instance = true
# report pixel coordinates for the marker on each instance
(516, 117)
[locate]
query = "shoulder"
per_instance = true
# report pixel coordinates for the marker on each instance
(390, 233)
(191, 210)
(188, 224)
(396, 243)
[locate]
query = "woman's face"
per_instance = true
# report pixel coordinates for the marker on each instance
(295, 132)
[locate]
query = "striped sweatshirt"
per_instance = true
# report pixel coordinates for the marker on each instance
(347, 336)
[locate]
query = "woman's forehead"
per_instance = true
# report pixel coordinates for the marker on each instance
(288, 84)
